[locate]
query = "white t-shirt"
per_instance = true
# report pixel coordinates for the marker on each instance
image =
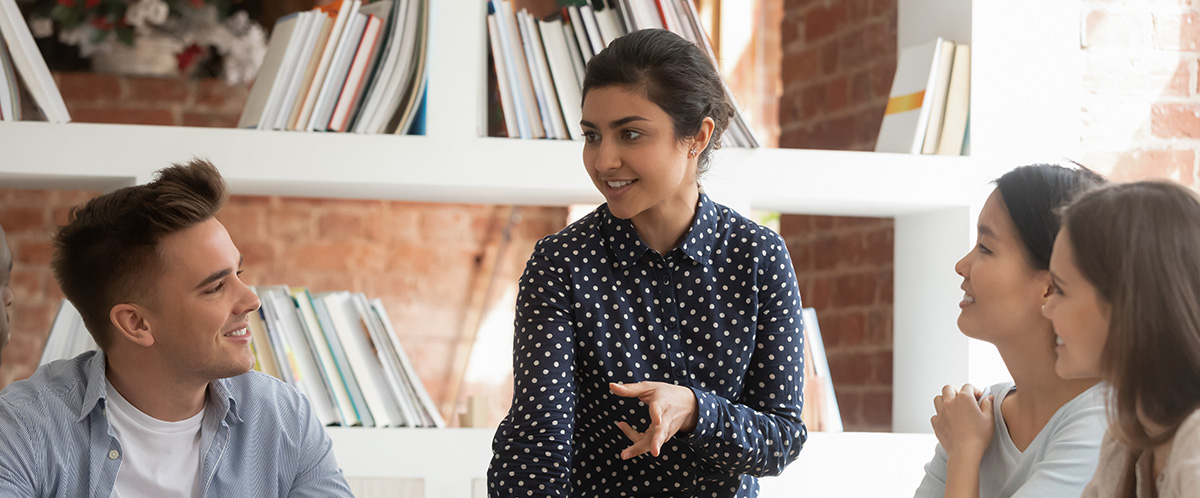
(158, 459)
(1058, 462)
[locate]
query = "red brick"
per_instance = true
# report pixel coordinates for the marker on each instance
(1177, 31)
(34, 198)
(290, 225)
(877, 411)
(1140, 74)
(165, 117)
(820, 295)
(857, 10)
(830, 62)
(33, 252)
(1117, 29)
(1168, 120)
(340, 225)
(789, 32)
(855, 290)
(885, 8)
(33, 319)
(849, 369)
(800, 66)
(880, 246)
(216, 94)
(881, 368)
(823, 21)
(886, 286)
(23, 219)
(26, 283)
(837, 91)
(1144, 164)
(85, 88)
(843, 331)
(879, 326)
(882, 75)
(850, 406)
(157, 91)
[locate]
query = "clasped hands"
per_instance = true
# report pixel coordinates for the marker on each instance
(673, 409)
(964, 422)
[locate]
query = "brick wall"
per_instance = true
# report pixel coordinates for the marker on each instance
(1141, 100)
(838, 61)
(421, 259)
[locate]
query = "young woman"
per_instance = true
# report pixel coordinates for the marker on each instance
(1038, 435)
(1126, 267)
(658, 347)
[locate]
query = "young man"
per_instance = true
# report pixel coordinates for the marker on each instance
(168, 406)
(6, 294)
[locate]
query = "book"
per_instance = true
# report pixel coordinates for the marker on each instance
(381, 348)
(577, 62)
(342, 362)
(29, 63)
(507, 48)
(355, 76)
(254, 112)
(430, 409)
(521, 69)
(307, 377)
(958, 104)
(596, 37)
(410, 118)
(339, 65)
(566, 82)
(8, 104)
(539, 69)
(582, 37)
(311, 25)
(342, 10)
(910, 100)
(324, 357)
(821, 412)
(264, 354)
(941, 84)
(314, 61)
(498, 62)
(363, 361)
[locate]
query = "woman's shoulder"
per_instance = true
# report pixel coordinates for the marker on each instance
(1187, 437)
(578, 234)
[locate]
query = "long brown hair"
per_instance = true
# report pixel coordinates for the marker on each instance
(1139, 245)
(107, 251)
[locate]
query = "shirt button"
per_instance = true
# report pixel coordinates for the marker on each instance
(113, 454)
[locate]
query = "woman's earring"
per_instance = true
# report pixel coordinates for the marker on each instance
(692, 153)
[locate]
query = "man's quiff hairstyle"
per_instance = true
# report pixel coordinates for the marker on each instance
(107, 252)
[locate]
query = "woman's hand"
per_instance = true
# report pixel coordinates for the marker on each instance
(673, 409)
(963, 423)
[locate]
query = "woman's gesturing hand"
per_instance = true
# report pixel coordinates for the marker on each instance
(963, 421)
(673, 409)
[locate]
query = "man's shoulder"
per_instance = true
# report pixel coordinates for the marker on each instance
(257, 394)
(58, 382)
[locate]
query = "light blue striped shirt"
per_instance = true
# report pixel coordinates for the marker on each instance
(260, 437)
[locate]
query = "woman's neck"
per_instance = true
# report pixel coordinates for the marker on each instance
(1030, 361)
(662, 226)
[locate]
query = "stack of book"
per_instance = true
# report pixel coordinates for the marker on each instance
(19, 55)
(929, 104)
(338, 348)
(350, 66)
(538, 64)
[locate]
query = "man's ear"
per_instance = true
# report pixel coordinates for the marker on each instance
(132, 323)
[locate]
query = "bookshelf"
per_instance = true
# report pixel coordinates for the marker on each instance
(1022, 112)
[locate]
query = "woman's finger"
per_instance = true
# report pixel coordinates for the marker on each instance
(630, 432)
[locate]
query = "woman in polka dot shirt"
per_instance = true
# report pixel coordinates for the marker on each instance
(658, 347)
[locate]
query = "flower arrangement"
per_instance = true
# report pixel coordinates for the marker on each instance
(190, 29)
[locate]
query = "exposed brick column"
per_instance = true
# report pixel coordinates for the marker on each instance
(838, 61)
(1141, 100)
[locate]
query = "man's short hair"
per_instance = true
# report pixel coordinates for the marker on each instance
(107, 252)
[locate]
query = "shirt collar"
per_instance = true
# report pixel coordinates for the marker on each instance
(220, 396)
(622, 238)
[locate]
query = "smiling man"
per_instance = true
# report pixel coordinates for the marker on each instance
(168, 406)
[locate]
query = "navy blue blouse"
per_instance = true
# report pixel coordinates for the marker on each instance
(719, 314)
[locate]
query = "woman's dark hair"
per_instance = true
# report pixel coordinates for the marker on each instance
(1138, 244)
(674, 74)
(1033, 194)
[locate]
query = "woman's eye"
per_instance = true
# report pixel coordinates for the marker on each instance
(983, 249)
(630, 134)
(590, 136)
(216, 289)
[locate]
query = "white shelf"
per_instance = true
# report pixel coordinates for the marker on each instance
(475, 170)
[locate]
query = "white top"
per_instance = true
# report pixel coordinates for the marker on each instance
(1180, 477)
(1058, 462)
(159, 459)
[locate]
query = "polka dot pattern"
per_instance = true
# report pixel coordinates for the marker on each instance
(719, 314)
